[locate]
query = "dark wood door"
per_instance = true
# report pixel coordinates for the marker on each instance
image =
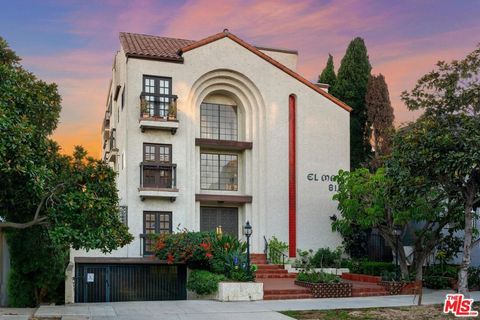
(213, 217)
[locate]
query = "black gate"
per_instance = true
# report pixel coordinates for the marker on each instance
(377, 249)
(129, 282)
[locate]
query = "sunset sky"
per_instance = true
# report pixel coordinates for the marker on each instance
(72, 43)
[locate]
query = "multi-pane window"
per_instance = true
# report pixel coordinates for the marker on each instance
(157, 93)
(219, 171)
(157, 152)
(155, 222)
(157, 168)
(218, 121)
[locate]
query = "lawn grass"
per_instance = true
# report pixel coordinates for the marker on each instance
(403, 313)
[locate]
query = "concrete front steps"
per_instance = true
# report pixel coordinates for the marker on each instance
(283, 288)
(273, 271)
(277, 282)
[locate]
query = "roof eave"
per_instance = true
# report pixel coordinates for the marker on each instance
(147, 57)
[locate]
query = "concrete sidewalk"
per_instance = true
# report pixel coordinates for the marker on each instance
(213, 310)
(16, 313)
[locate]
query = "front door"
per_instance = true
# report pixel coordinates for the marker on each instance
(213, 217)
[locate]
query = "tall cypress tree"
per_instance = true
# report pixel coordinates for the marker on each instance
(351, 87)
(328, 74)
(380, 117)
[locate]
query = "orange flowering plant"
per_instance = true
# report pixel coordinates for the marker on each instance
(221, 254)
(191, 248)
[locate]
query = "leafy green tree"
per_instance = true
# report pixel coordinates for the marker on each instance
(73, 199)
(383, 201)
(380, 117)
(351, 88)
(441, 158)
(364, 199)
(449, 138)
(328, 74)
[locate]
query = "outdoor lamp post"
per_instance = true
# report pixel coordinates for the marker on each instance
(247, 229)
(397, 232)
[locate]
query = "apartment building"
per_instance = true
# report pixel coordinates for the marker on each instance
(212, 133)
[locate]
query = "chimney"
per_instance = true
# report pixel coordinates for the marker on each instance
(322, 86)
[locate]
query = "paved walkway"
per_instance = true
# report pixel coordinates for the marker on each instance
(213, 310)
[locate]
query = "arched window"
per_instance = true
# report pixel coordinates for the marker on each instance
(218, 121)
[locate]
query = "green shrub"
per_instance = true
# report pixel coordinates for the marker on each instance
(436, 282)
(372, 268)
(327, 258)
(275, 250)
(474, 277)
(236, 267)
(37, 273)
(204, 282)
(389, 276)
(443, 270)
(21, 291)
(304, 260)
(318, 277)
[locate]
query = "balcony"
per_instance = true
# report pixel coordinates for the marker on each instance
(158, 112)
(106, 127)
(158, 180)
(112, 153)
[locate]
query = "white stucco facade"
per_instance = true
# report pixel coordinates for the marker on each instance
(225, 72)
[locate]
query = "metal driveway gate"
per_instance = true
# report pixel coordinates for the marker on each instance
(129, 282)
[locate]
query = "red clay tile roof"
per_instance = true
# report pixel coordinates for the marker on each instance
(153, 47)
(162, 48)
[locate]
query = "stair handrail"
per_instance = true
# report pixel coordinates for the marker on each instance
(266, 252)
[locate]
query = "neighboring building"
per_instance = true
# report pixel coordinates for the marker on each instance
(214, 133)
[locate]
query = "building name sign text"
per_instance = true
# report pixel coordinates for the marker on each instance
(326, 178)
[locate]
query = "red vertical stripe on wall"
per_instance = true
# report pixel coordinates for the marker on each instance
(292, 183)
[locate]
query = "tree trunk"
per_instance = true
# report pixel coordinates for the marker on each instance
(467, 249)
(402, 258)
(419, 260)
(419, 278)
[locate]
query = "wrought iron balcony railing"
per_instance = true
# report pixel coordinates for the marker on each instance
(158, 106)
(158, 175)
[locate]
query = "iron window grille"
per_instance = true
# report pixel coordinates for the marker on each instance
(123, 214)
(157, 169)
